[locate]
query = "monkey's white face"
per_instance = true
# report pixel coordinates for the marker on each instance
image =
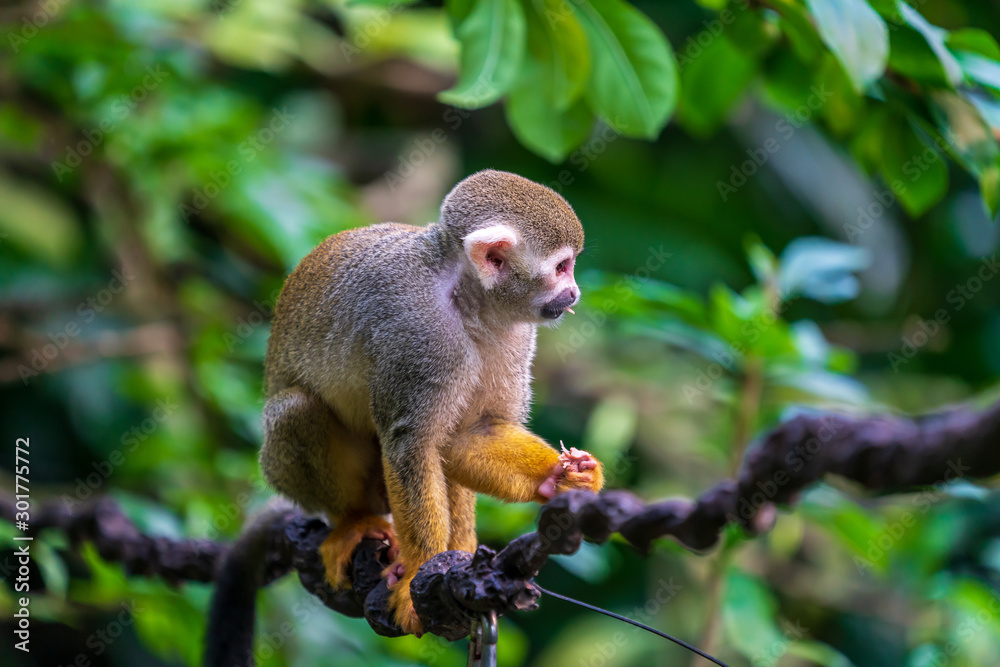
(532, 286)
(560, 291)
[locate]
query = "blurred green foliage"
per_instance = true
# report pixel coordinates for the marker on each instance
(815, 230)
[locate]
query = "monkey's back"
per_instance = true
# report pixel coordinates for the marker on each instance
(344, 299)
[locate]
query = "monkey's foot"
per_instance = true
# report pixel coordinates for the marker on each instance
(394, 573)
(576, 469)
(338, 548)
(400, 602)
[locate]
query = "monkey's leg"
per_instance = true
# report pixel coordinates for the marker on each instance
(507, 461)
(418, 497)
(311, 457)
(462, 507)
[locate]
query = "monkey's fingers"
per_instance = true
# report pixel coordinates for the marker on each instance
(577, 480)
(580, 470)
(338, 548)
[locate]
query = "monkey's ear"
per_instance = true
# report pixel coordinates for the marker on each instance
(489, 251)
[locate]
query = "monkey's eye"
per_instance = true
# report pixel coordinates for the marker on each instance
(561, 267)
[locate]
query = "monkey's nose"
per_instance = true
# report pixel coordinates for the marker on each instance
(554, 308)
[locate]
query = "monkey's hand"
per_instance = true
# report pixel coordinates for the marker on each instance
(399, 577)
(576, 469)
(338, 548)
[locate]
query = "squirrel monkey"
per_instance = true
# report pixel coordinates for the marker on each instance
(398, 375)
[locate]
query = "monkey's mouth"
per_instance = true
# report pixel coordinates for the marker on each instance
(554, 309)
(552, 313)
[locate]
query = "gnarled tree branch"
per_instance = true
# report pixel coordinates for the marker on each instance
(879, 453)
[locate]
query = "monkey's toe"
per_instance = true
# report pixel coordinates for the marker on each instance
(338, 548)
(402, 607)
(394, 573)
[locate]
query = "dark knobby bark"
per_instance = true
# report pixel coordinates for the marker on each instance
(879, 453)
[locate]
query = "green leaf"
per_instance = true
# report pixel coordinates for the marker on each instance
(821, 384)
(459, 10)
(557, 41)
(821, 269)
(965, 130)
(492, 38)
(541, 127)
(53, 568)
(915, 171)
(888, 9)
(819, 653)
(989, 189)
(379, 3)
(544, 108)
(762, 261)
(853, 529)
(844, 107)
(866, 144)
(611, 427)
(973, 40)
(800, 31)
(934, 37)
(987, 106)
(980, 69)
(41, 225)
(633, 78)
(856, 35)
(712, 83)
(748, 613)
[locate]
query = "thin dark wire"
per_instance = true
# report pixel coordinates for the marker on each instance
(637, 624)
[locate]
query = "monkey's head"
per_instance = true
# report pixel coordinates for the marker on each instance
(520, 239)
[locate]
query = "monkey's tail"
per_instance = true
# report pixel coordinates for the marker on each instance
(231, 617)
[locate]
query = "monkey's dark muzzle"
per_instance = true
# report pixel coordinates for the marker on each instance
(553, 309)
